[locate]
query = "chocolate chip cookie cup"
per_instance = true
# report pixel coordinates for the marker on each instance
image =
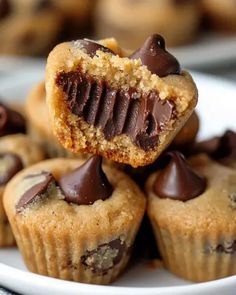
(16, 152)
(126, 109)
(192, 210)
(74, 221)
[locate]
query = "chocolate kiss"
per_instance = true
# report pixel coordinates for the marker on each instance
(153, 54)
(178, 180)
(227, 146)
(86, 184)
(91, 47)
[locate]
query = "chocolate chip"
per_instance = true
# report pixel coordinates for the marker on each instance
(10, 164)
(40, 186)
(105, 257)
(5, 8)
(223, 248)
(226, 147)
(87, 184)
(92, 47)
(11, 122)
(153, 54)
(117, 111)
(178, 180)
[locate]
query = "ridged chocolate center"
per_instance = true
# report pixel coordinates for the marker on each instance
(117, 111)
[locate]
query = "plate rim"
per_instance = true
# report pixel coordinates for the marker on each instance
(45, 280)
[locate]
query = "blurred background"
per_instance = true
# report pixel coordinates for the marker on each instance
(201, 33)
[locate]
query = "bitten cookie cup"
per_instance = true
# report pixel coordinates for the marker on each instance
(132, 21)
(74, 223)
(16, 152)
(220, 15)
(194, 220)
(127, 109)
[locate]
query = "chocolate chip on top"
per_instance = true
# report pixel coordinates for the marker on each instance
(37, 187)
(11, 122)
(226, 147)
(4, 8)
(91, 47)
(10, 164)
(86, 184)
(153, 54)
(178, 180)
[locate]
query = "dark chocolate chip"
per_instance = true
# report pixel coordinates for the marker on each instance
(115, 112)
(105, 257)
(11, 122)
(5, 8)
(153, 54)
(178, 180)
(10, 164)
(91, 47)
(37, 191)
(87, 184)
(226, 146)
(223, 248)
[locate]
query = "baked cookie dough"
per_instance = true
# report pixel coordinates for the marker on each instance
(82, 218)
(127, 109)
(39, 127)
(191, 206)
(16, 152)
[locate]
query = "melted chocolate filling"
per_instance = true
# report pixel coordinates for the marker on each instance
(117, 111)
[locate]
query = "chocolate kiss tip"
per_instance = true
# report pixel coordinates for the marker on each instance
(178, 180)
(86, 184)
(153, 54)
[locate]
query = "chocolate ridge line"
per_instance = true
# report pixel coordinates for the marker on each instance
(141, 116)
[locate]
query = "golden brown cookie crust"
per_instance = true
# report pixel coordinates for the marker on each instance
(69, 229)
(199, 226)
(29, 153)
(76, 135)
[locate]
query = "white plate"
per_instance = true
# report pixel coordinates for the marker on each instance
(217, 112)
